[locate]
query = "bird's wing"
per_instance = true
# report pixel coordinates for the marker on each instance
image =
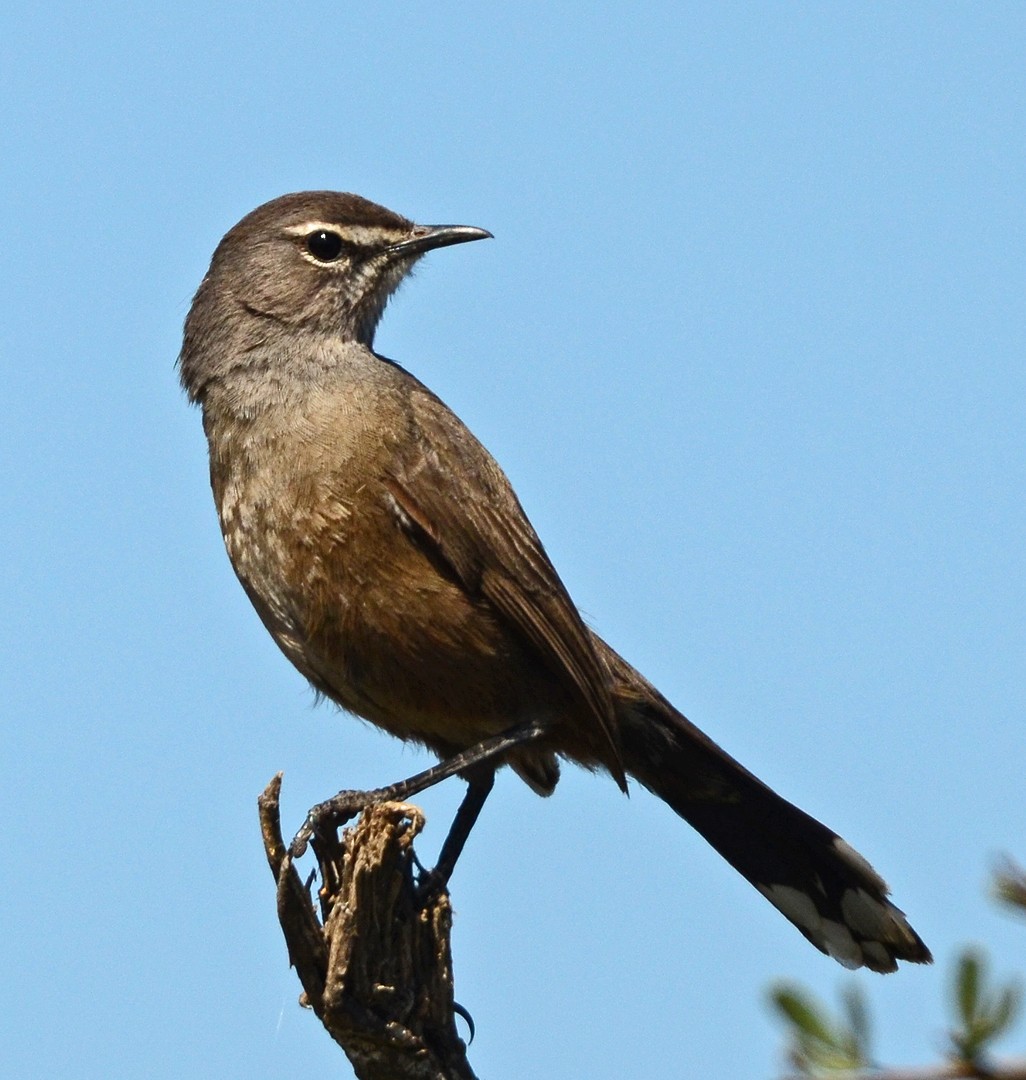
(464, 511)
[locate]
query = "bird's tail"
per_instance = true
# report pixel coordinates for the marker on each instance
(815, 879)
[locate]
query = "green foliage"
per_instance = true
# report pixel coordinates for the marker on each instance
(982, 1013)
(821, 1045)
(1010, 886)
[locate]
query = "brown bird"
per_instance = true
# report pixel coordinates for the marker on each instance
(388, 556)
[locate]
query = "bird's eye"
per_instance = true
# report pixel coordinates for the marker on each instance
(324, 245)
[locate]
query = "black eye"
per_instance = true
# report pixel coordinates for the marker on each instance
(323, 245)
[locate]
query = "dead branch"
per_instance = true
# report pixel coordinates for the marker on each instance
(375, 961)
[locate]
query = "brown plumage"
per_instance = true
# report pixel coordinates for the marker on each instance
(390, 559)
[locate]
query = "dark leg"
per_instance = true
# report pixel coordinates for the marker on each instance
(347, 804)
(479, 785)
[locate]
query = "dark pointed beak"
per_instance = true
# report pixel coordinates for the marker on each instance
(428, 237)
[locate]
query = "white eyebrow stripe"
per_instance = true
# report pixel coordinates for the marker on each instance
(359, 235)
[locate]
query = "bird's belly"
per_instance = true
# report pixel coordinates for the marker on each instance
(427, 664)
(381, 631)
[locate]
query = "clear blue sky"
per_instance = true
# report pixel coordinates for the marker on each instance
(750, 343)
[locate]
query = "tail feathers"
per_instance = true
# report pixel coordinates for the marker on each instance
(812, 877)
(809, 874)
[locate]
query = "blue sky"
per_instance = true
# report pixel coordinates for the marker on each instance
(749, 342)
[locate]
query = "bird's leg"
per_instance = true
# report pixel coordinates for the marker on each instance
(480, 781)
(347, 804)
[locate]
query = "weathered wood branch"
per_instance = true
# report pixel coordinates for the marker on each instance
(374, 961)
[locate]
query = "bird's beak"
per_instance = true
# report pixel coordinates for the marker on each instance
(428, 237)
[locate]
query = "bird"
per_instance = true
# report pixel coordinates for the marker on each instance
(390, 559)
